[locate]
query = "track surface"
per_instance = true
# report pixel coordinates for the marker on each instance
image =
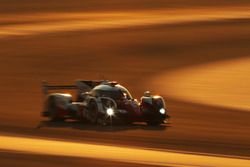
(132, 55)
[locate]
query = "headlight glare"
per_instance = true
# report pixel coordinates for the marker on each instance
(110, 111)
(162, 111)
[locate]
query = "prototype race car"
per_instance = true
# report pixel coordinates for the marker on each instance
(103, 102)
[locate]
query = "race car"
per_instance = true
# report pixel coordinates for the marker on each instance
(102, 102)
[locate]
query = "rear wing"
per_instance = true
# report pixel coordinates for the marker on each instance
(80, 86)
(46, 87)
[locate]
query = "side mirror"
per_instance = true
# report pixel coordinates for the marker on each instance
(134, 100)
(147, 93)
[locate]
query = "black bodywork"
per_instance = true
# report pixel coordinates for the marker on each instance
(104, 102)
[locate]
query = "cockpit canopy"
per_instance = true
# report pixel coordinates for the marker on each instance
(114, 91)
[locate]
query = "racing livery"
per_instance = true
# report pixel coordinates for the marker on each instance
(103, 102)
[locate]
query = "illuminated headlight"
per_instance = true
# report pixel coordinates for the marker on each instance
(110, 111)
(162, 111)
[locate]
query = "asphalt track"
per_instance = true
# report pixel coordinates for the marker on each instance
(124, 53)
(117, 154)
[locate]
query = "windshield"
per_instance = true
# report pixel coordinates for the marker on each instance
(117, 93)
(124, 91)
(114, 94)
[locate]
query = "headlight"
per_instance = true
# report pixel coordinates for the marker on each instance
(110, 111)
(162, 111)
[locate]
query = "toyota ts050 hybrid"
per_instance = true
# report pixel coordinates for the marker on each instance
(103, 102)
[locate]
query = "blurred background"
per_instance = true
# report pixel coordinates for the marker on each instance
(196, 53)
